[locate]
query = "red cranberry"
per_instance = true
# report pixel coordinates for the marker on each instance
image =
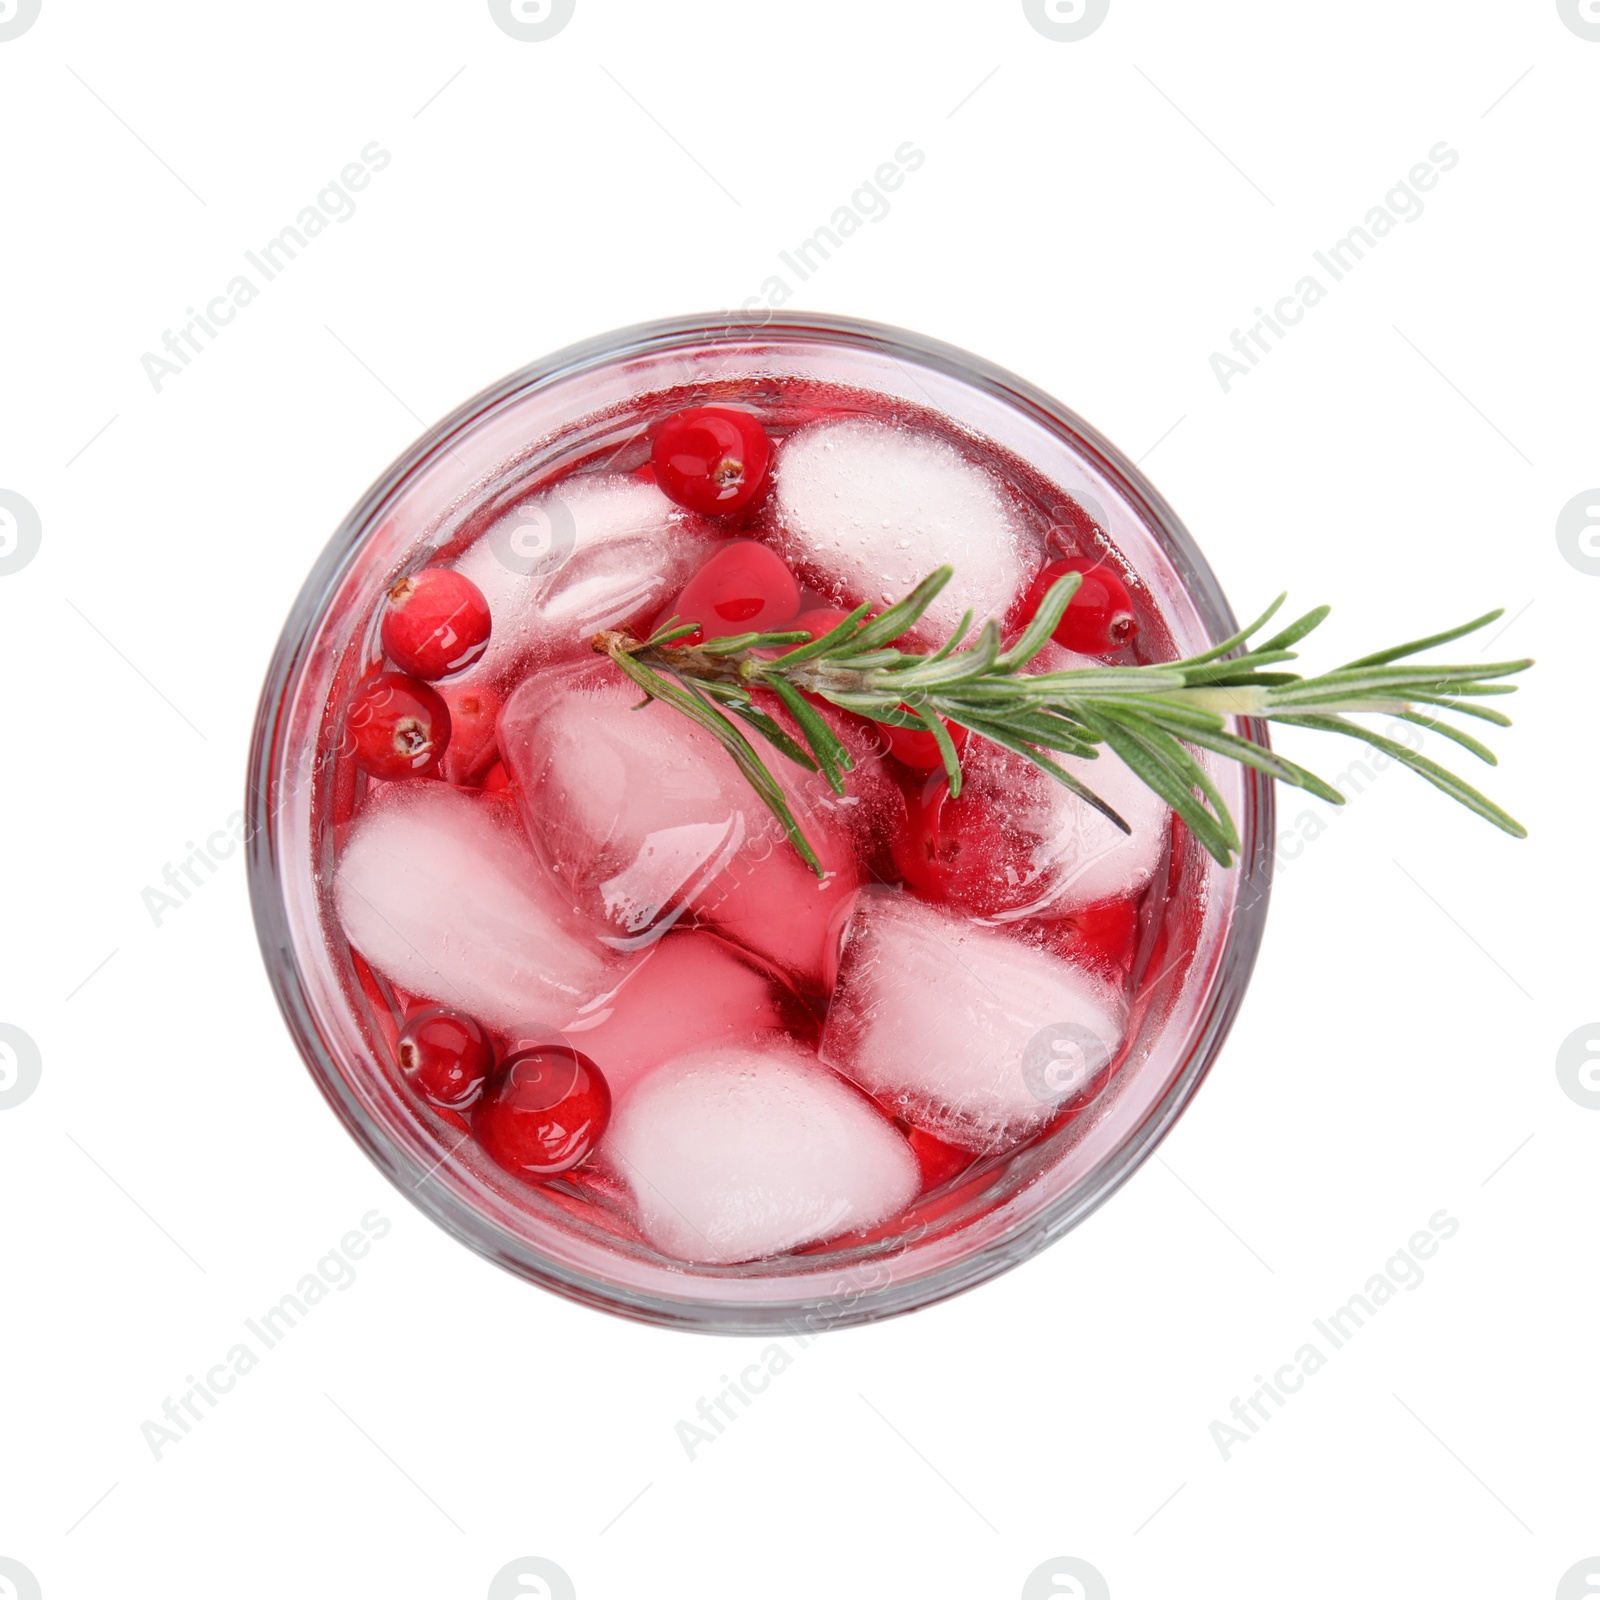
(474, 711)
(544, 1112)
(711, 459)
(447, 1055)
(958, 851)
(818, 622)
(1099, 618)
(918, 748)
(496, 780)
(743, 588)
(436, 622)
(398, 727)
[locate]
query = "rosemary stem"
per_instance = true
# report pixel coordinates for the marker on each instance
(1154, 716)
(1226, 702)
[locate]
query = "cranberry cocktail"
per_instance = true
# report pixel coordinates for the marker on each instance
(666, 1028)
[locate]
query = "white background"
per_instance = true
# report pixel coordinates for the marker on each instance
(1404, 455)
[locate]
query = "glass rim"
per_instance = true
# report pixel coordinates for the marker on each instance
(1240, 942)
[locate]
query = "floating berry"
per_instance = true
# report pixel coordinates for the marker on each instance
(474, 710)
(496, 780)
(398, 727)
(436, 622)
(711, 459)
(743, 588)
(823, 620)
(447, 1055)
(544, 1112)
(958, 851)
(918, 748)
(1099, 617)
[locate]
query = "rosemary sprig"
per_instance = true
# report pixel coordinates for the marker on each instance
(1154, 717)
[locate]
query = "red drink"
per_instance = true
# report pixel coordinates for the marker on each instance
(716, 1077)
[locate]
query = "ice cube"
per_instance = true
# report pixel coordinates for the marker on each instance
(866, 511)
(590, 554)
(964, 1031)
(439, 891)
(688, 990)
(739, 1153)
(646, 821)
(1077, 855)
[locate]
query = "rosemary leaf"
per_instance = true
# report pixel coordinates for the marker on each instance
(832, 756)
